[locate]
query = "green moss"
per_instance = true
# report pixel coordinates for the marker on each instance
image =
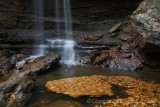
(158, 1)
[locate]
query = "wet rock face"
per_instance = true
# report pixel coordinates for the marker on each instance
(146, 22)
(20, 13)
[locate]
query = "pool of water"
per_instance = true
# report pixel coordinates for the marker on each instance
(41, 97)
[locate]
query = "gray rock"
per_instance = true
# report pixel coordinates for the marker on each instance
(146, 21)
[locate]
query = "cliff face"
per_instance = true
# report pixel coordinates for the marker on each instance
(20, 13)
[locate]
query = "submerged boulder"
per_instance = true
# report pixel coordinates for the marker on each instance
(122, 91)
(135, 93)
(81, 86)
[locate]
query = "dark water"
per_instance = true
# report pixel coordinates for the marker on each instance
(43, 98)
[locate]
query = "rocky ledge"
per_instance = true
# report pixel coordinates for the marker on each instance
(16, 91)
(125, 56)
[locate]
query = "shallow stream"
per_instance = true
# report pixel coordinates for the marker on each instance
(41, 97)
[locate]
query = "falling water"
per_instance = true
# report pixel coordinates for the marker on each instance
(57, 11)
(68, 18)
(39, 26)
(66, 46)
(69, 44)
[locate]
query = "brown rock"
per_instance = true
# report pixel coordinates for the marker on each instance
(115, 27)
(101, 58)
(94, 37)
(42, 63)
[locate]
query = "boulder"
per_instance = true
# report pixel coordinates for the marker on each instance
(145, 21)
(125, 64)
(42, 63)
(120, 60)
(101, 58)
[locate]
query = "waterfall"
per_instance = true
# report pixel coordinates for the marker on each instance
(69, 44)
(68, 18)
(65, 46)
(57, 11)
(39, 26)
